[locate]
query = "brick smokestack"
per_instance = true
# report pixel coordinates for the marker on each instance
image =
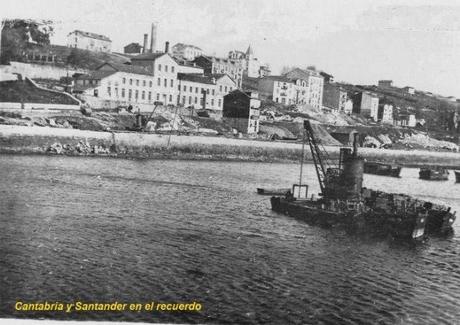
(153, 38)
(167, 47)
(146, 43)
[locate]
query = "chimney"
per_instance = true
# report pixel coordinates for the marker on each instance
(167, 47)
(153, 38)
(146, 42)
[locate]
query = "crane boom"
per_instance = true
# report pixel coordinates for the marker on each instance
(317, 155)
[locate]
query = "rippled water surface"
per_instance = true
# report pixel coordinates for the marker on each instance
(95, 229)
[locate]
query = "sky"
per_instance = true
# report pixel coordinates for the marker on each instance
(412, 42)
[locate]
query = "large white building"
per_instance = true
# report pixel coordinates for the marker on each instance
(89, 41)
(312, 83)
(186, 51)
(204, 91)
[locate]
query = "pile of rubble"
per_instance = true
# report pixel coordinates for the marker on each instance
(423, 140)
(81, 148)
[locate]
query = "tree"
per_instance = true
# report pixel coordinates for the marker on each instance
(18, 34)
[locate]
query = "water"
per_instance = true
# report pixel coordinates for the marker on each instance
(100, 230)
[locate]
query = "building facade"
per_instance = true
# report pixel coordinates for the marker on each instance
(186, 51)
(315, 85)
(252, 67)
(385, 113)
(133, 48)
(241, 111)
(365, 104)
(204, 91)
(89, 41)
(385, 83)
(278, 89)
(214, 65)
(335, 98)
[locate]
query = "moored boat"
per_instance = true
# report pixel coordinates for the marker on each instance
(273, 191)
(344, 202)
(434, 173)
(377, 168)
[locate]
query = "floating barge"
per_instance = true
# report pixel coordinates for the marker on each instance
(273, 191)
(434, 174)
(377, 168)
(344, 202)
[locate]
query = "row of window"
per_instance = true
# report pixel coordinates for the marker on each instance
(194, 100)
(197, 89)
(144, 95)
(144, 82)
(166, 68)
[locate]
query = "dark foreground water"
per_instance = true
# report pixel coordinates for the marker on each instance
(103, 230)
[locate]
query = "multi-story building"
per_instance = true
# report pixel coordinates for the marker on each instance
(252, 67)
(164, 70)
(385, 83)
(133, 48)
(214, 65)
(186, 51)
(278, 89)
(335, 98)
(204, 91)
(385, 113)
(89, 41)
(315, 85)
(185, 66)
(124, 84)
(365, 104)
(241, 111)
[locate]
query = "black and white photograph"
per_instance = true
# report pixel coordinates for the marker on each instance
(229, 162)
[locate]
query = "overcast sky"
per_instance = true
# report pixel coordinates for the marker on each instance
(414, 42)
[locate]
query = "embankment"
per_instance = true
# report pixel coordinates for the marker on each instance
(45, 140)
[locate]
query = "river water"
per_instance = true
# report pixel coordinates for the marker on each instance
(103, 230)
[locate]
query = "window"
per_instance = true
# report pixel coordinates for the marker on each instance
(166, 82)
(196, 90)
(170, 98)
(190, 100)
(191, 89)
(225, 88)
(137, 82)
(185, 88)
(130, 94)
(183, 100)
(166, 68)
(213, 92)
(220, 88)
(143, 83)
(124, 80)
(231, 88)
(150, 96)
(158, 96)
(207, 91)
(159, 67)
(178, 87)
(219, 103)
(196, 100)
(108, 91)
(130, 82)
(116, 92)
(172, 69)
(122, 92)
(172, 83)
(150, 83)
(159, 82)
(212, 102)
(143, 94)
(96, 93)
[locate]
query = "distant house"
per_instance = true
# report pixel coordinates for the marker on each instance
(89, 41)
(279, 89)
(186, 51)
(385, 113)
(406, 120)
(327, 77)
(335, 98)
(133, 48)
(213, 65)
(385, 83)
(365, 104)
(314, 84)
(409, 90)
(241, 111)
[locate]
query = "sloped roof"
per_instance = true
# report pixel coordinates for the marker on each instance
(96, 75)
(298, 73)
(278, 78)
(148, 56)
(128, 68)
(200, 78)
(92, 35)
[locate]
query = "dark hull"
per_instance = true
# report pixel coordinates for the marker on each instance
(434, 174)
(457, 176)
(414, 226)
(381, 169)
(273, 191)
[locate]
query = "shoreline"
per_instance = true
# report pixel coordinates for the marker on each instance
(25, 140)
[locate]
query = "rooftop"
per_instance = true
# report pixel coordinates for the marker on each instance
(148, 56)
(200, 78)
(181, 46)
(91, 35)
(128, 68)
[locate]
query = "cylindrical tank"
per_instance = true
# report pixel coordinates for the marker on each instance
(352, 176)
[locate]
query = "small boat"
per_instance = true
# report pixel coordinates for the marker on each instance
(273, 191)
(434, 173)
(371, 167)
(457, 176)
